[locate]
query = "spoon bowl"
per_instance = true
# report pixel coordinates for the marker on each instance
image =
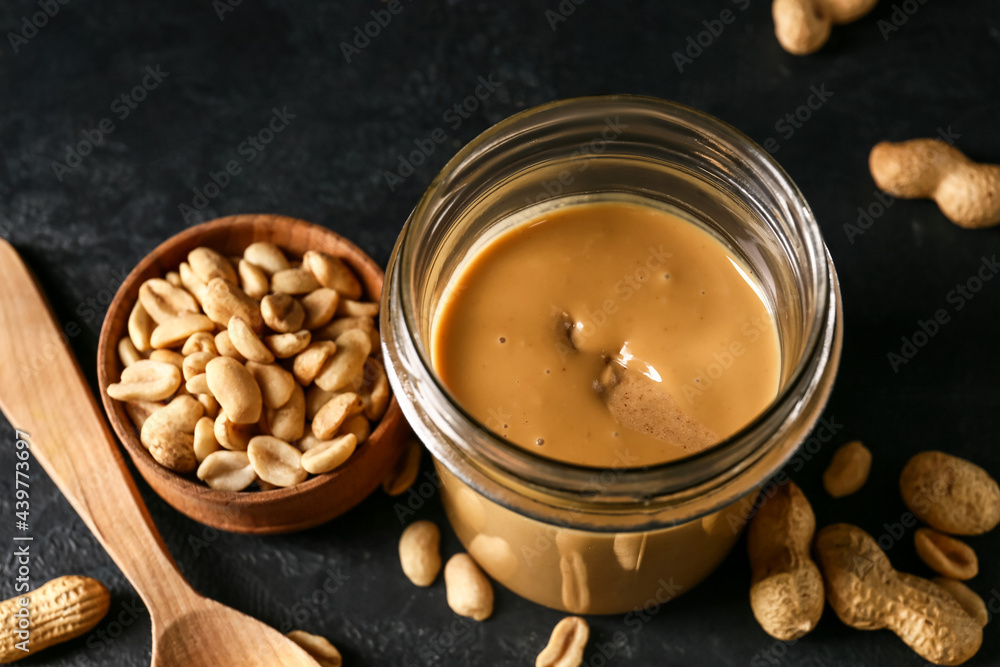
(199, 638)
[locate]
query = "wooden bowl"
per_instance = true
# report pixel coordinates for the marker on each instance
(316, 500)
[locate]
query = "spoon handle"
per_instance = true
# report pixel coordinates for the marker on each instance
(44, 395)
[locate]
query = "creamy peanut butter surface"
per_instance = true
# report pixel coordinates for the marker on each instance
(607, 330)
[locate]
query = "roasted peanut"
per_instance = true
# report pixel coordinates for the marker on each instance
(338, 326)
(404, 471)
(494, 554)
(200, 342)
(375, 390)
(294, 281)
(346, 366)
(282, 312)
(968, 193)
(289, 421)
(310, 361)
(319, 306)
(288, 344)
(198, 385)
(140, 327)
(950, 494)
(233, 436)
(629, 550)
(208, 265)
(332, 272)
(946, 555)
(168, 434)
(275, 461)
(171, 332)
(468, 590)
(316, 398)
(146, 380)
(321, 650)
(195, 363)
(192, 283)
(308, 441)
(235, 389)
(224, 344)
(210, 404)
(566, 644)
(127, 352)
(420, 552)
(227, 471)
(246, 342)
(332, 415)
(139, 411)
(266, 256)
(328, 455)
(168, 357)
(224, 299)
(971, 603)
(786, 591)
(575, 581)
(848, 470)
(163, 301)
(59, 610)
(867, 593)
(253, 280)
(204, 438)
(174, 279)
(349, 308)
(803, 26)
(276, 384)
(357, 426)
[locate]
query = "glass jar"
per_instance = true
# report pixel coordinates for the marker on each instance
(572, 537)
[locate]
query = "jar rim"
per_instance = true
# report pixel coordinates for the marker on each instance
(535, 468)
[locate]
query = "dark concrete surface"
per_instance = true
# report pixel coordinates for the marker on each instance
(211, 75)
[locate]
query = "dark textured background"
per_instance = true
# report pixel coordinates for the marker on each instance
(80, 233)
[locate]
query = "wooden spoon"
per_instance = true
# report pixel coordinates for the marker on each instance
(43, 393)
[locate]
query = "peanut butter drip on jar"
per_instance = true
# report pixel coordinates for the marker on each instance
(607, 334)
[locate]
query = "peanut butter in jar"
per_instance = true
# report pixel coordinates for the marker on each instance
(603, 332)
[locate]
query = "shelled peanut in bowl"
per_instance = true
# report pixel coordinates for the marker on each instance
(255, 369)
